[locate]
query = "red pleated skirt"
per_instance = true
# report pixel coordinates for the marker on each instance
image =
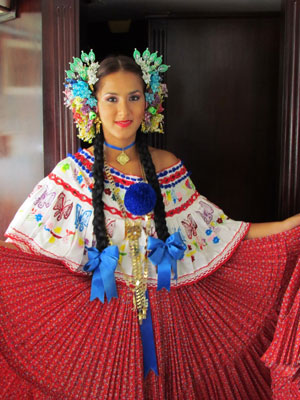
(209, 335)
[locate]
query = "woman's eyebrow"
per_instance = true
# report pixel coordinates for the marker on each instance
(115, 94)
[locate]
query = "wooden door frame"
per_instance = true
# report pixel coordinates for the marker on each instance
(60, 20)
(289, 189)
(60, 42)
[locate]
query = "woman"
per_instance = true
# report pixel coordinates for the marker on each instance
(85, 314)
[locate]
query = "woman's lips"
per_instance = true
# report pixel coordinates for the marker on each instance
(124, 124)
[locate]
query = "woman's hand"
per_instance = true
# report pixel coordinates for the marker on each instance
(271, 228)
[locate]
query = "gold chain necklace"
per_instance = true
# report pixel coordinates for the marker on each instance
(138, 281)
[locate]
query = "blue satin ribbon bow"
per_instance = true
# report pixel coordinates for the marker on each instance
(165, 256)
(103, 266)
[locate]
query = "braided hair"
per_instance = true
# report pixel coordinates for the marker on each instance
(108, 66)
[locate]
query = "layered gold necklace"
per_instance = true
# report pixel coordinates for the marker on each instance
(133, 230)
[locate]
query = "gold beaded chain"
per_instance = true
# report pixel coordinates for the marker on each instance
(138, 281)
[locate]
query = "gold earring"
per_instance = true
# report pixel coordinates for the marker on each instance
(97, 122)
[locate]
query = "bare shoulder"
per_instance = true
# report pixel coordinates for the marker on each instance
(162, 159)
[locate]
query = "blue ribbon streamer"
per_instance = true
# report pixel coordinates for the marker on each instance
(165, 256)
(103, 266)
(149, 354)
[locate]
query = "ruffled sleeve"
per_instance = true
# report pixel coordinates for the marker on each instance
(56, 218)
(210, 236)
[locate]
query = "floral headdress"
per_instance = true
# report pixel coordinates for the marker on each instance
(151, 66)
(79, 95)
(81, 100)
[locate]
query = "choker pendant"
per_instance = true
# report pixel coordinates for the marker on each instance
(122, 158)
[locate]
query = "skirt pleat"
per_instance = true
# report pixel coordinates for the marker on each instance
(283, 355)
(210, 335)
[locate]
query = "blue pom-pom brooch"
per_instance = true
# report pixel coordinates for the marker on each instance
(140, 199)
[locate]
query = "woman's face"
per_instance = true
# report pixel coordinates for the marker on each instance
(121, 106)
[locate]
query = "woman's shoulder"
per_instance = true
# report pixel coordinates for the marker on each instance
(162, 159)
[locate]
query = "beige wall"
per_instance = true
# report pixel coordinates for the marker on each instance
(21, 112)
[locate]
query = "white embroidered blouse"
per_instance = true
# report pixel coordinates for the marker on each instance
(56, 220)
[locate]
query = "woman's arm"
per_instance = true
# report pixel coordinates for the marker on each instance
(270, 228)
(7, 244)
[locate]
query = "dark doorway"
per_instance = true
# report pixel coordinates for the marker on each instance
(222, 115)
(223, 109)
(108, 36)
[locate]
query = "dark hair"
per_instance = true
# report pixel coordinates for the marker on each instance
(113, 64)
(108, 66)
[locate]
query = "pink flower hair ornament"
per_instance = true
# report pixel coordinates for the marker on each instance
(81, 100)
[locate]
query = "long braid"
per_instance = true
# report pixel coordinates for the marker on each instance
(147, 163)
(99, 218)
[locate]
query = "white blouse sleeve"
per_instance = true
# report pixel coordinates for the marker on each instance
(210, 236)
(56, 218)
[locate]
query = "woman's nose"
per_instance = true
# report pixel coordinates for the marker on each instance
(123, 109)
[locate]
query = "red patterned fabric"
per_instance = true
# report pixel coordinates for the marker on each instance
(209, 335)
(283, 356)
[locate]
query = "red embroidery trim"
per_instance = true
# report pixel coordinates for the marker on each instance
(173, 177)
(69, 188)
(183, 206)
(162, 180)
(115, 211)
(81, 157)
(170, 213)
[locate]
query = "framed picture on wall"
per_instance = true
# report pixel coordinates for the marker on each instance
(7, 10)
(20, 78)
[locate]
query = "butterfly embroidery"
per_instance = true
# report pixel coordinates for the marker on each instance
(173, 194)
(82, 217)
(179, 196)
(54, 234)
(206, 212)
(190, 252)
(190, 226)
(75, 173)
(169, 196)
(188, 184)
(45, 199)
(63, 207)
(37, 187)
(110, 226)
(165, 199)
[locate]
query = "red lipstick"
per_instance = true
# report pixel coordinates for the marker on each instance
(124, 124)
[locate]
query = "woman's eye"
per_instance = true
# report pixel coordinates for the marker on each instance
(134, 97)
(111, 99)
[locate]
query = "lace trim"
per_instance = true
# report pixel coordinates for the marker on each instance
(34, 248)
(205, 270)
(183, 280)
